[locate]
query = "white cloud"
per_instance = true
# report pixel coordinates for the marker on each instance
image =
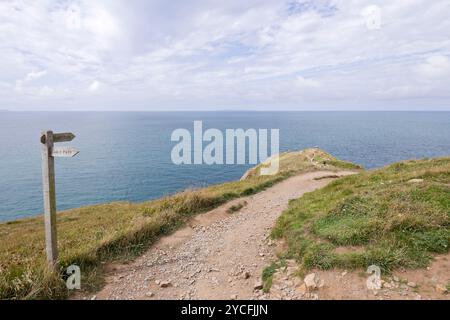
(435, 66)
(94, 86)
(46, 91)
(35, 75)
(307, 83)
(196, 54)
(403, 92)
(30, 77)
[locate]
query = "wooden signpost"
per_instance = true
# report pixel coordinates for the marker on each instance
(49, 152)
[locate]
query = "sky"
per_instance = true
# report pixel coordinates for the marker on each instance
(224, 55)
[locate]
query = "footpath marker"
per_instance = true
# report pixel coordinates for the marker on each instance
(64, 152)
(49, 152)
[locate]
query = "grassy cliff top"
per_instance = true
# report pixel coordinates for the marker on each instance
(304, 160)
(92, 235)
(396, 216)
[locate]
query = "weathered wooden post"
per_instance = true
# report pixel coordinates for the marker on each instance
(49, 152)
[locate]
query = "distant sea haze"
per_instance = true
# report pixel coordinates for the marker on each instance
(126, 156)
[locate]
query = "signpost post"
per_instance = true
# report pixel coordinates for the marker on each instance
(49, 152)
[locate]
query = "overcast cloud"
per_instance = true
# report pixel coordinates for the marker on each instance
(209, 55)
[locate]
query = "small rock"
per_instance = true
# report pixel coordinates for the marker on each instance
(441, 289)
(149, 294)
(395, 278)
(344, 273)
(411, 284)
(247, 275)
(157, 282)
(311, 281)
(233, 297)
(165, 284)
(93, 297)
(258, 285)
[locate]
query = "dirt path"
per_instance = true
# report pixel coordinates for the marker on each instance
(220, 255)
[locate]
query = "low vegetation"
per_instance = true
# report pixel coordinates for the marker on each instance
(396, 216)
(268, 272)
(236, 207)
(92, 236)
(304, 160)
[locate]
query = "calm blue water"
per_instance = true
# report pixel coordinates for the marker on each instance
(126, 155)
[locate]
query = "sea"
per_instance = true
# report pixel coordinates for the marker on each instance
(126, 156)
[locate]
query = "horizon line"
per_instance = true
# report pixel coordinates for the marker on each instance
(226, 110)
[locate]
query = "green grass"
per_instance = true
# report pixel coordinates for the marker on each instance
(299, 161)
(94, 235)
(267, 276)
(374, 217)
(269, 271)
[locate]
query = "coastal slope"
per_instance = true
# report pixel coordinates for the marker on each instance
(218, 255)
(94, 236)
(308, 232)
(395, 218)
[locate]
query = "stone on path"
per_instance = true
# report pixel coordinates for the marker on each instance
(258, 285)
(311, 281)
(165, 284)
(441, 289)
